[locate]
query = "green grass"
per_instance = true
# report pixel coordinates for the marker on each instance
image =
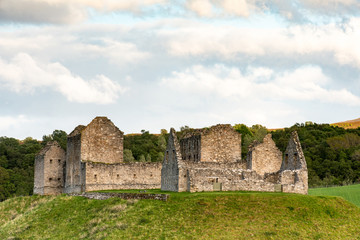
(350, 193)
(208, 215)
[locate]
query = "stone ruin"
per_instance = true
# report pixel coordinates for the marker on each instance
(94, 161)
(49, 170)
(207, 159)
(210, 160)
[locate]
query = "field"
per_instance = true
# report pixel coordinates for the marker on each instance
(350, 193)
(214, 215)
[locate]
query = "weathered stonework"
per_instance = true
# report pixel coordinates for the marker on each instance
(264, 157)
(49, 170)
(220, 143)
(206, 159)
(102, 141)
(95, 161)
(262, 172)
(294, 173)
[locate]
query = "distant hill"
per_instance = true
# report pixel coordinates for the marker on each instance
(206, 215)
(350, 124)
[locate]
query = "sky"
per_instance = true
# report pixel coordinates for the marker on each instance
(156, 64)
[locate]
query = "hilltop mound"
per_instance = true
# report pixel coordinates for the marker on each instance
(217, 215)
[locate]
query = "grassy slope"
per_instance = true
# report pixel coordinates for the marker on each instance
(348, 124)
(226, 215)
(350, 193)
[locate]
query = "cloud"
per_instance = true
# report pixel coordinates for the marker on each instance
(305, 42)
(7, 122)
(306, 83)
(299, 10)
(24, 74)
(65, 11)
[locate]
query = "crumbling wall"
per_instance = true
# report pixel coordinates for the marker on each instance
(49, 170)
(101, 141)
(135, 175)
(226, 177)
(74, 170)
(191, 148)
(264, 157)
(170, 165)
(220, 143)
(294, 173)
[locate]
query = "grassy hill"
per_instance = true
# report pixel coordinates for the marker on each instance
(350, 124)
(215, 215)
(350, 193)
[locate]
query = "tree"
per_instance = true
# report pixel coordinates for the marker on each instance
(148, 158)
(58, 135)
(142, 158)
(128, 156)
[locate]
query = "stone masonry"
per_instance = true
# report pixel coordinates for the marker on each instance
(220, 143)
(207, 159)
(95, 161)
(264, 157)
(49, 174)
(265, 169)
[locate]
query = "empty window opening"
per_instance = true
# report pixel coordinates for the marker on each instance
(50, 160)
(59, 160)
(134, 175)
(150, 175)
(286, 158)
(185, 175)
(50, 179)
(117, 175)
(217, 180)
(59, 179)
(95, 176)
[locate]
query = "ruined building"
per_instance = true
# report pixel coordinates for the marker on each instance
(210, 160)
(94, 161)
(206, 159)
(49, 170)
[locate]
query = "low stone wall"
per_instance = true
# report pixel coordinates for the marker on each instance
(135, 175)
(103, 196)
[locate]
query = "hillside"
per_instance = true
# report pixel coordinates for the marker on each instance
(350, 193)
(219, 215)
(350, 124)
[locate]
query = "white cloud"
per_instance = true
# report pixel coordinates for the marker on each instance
(230, 42)
(65, 11)
(305, 83)
(7, 122)
(24, 74)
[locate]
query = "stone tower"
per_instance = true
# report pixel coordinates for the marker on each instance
(98, 142)
(49, 170)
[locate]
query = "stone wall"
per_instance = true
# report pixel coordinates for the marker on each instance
(294, 173)
(49, 170)
(101, 141)
(220, 143)
(191, 148)
(264, 157)
(135, 175)
(74, 169)
(170, 165)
